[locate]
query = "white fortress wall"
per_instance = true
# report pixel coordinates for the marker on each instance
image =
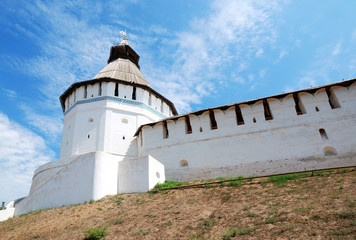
(280, 141)
(88, 176)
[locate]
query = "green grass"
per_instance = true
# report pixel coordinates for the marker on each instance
(230, 233)
(167, 184)
(118, 221)
(342, 232)
(251, 214)
(95, 233)
(141, 232)
(281, 180)
(350, 215)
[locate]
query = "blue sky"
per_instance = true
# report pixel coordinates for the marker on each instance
(198, 54)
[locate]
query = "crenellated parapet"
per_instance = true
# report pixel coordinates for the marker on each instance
(307, 119)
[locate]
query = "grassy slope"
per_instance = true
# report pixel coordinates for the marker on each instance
(303, 208)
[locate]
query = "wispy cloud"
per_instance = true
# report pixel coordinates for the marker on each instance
(21, 152)
(234, 30)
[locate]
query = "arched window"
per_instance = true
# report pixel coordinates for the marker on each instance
(323, 134)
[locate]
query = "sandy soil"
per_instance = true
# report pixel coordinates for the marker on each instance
(321, 207)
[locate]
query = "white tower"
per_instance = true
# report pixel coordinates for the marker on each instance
(103, 114)
(99, 150)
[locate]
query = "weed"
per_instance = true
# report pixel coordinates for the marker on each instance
(169, 223)
(342, 232)
(251, 214)
(36, 236)
(118, 221)
(149, 215)
(192, 201)
(140, 201)
(91, 201)
(119, 200)
(335, 196)
(141, 232)
(244, 231)
(247, 207)
(350, 215)
(304, 209)
(100, 209)
(95, 233)
(270, 220)
(341, 187)
(230, 233)
(351, 203)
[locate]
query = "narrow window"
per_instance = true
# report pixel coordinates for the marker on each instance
(165, 130)
(141, 138)
(239, 117)
(124, 120)
(161, 106)
(317, 109)
(116, 94)
(75, 95)
(333, 101)
(100, 89)
(188, 127)
(85, 91)
(123, 137)
(88, 135)
(134, 93)
(213, 124)
(200, 129)
(149, 99)
(323, 134)
(254, 120)
(299, 107)
(267, 110)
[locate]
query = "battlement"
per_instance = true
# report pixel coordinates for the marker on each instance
(311, 119)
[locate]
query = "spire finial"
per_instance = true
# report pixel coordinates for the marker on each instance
(124, 33)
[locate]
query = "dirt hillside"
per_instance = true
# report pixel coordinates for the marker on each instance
(317, 207)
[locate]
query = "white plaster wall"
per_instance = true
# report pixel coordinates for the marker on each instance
(88, 176)
(288, 143)
(139, 174)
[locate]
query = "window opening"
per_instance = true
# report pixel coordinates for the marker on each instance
(213, 124)
(165, 130)
(85, 91)
(124, 120)
(254, 120)
(333, 101)
(88, 135)
(323, 134)
(134, 93)
(123, 137)
(74, 95)
(188, 127)
(162, 106)
(201, 129)
(239, 117)
(100, 89)
(149, 99)
(299, 108)
(92, 95)
(116, 94)
(91, 120)
(141, 138)
(317, 109)
(267, 110)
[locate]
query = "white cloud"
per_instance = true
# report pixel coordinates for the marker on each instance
(21, 152)
(234, 30)
(259, 52)
(50, 126)
(11, 94)
(337, 49)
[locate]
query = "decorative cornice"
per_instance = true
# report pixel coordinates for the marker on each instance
(116, 99)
